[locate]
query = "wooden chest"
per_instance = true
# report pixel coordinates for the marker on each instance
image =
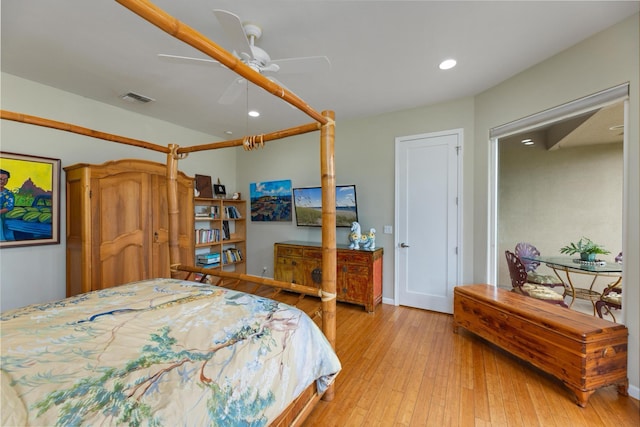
(359, 271)
(584, 352)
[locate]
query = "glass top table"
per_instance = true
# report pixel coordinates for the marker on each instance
(570, 265)
(577, 264)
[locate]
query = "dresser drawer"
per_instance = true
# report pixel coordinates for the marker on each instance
(353, 257)
(313, 253)
(289, 251)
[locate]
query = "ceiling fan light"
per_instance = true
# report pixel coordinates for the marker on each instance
(447, 64)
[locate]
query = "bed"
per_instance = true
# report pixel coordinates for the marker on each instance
(159, 352)
(115, 320)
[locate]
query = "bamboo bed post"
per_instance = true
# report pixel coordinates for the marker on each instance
(329, 264)
(173, 207)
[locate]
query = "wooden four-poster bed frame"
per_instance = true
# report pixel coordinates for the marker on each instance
(324, 122)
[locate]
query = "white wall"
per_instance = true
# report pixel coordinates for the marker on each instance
(600, 62)
(35, 274)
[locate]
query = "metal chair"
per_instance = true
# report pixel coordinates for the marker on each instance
(611, 297)
(520, 284)
(526, 250)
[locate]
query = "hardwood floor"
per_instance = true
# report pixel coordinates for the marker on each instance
(406, 367)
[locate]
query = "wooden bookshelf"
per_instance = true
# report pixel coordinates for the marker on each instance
(220, 228)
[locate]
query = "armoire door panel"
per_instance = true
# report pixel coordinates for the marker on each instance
(121, 228)
(123, 204)
(129, 265)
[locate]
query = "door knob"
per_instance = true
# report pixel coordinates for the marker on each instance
(404, 245)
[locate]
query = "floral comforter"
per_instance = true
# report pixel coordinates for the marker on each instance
(159, 352)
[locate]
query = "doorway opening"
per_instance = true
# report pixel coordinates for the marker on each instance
(558, 176)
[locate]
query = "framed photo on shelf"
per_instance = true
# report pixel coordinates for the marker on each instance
(219, 190)
(29, 200)
(203, 186)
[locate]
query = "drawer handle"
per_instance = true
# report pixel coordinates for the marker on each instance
(316, 275)
(609, 352)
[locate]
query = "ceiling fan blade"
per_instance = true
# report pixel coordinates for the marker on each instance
(232, 26)
(233, 91)
(306, 64)
(183, 59)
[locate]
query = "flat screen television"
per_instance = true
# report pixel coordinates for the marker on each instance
(307, 203)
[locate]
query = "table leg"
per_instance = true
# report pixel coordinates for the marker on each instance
(593, 303)
(571, 288)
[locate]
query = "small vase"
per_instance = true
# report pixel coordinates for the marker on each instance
(587, 256)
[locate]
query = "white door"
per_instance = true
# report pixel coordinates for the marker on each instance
(428, 219)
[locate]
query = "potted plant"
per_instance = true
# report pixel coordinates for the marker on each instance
(586, 248)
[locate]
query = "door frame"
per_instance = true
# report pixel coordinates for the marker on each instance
(459, 193)
(573, 108)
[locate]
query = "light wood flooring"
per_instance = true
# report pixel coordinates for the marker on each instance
(406, 367)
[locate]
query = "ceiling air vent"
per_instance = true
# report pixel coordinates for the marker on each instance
(135, 97)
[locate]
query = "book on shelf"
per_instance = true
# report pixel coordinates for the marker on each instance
(231, 256)
(226, 233)
(212, 265)
(210, 258)
(207, 235)
(231, 212)
(215, 212)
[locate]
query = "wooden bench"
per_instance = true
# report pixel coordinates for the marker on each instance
(584, 352)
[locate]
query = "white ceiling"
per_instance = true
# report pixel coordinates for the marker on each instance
(384, 54)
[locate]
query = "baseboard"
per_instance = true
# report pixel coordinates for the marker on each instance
(634, 392)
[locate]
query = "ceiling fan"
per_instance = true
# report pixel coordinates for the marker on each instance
(243, 37)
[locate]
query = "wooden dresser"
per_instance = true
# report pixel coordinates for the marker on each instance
(118, 223)
(359, 271)
(583, 351)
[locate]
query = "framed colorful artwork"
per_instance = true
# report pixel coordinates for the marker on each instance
(271, 200)
(29, 200)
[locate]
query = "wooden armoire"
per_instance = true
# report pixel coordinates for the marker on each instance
(118, 223)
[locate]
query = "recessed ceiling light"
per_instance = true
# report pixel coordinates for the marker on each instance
(448, 64)
(616, 127)
(527, 141)
(254, 113)
(228, 132)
